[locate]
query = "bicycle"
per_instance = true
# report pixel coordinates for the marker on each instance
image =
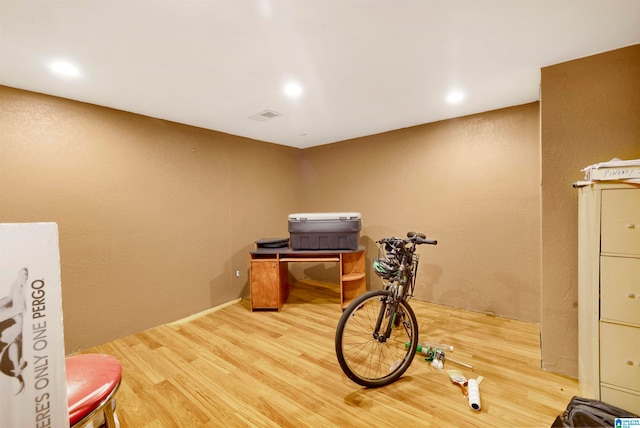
(377, 335)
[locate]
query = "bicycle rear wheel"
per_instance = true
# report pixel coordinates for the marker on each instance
(367, 359)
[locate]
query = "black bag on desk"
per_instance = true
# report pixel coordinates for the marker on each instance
(585, 412)
(272, 243)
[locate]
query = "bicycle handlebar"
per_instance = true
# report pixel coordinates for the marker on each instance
(417, 238)
(426, 241)
(420, 238)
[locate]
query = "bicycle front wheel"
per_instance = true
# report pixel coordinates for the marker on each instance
(368, 357)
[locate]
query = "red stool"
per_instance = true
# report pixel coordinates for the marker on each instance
(92, 381)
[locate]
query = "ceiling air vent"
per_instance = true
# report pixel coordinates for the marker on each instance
(265, 115)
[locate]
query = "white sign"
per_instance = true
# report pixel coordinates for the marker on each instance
(33, 389)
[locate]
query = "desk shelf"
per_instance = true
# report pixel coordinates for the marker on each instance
(353, 278)
(269, 274)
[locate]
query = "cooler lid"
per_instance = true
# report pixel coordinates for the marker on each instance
(324, 216)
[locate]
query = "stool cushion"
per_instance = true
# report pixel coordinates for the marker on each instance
(91, 378)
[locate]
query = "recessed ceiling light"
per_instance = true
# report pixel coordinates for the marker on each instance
(64, 69)
(293, 89)
(454, 97)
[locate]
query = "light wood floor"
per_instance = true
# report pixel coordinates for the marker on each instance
(234, 367)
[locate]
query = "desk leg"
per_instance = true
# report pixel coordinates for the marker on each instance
(283, 281)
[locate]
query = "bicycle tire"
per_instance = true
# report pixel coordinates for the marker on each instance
(363, 358)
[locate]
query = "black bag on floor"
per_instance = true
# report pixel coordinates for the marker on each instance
(585, 412)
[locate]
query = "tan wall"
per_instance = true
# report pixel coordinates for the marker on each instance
(471, 183)
(154, 217)
(590, 112)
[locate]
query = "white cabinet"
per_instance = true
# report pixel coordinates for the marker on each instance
(609, 294)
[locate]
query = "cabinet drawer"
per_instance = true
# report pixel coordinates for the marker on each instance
(626, 400)
(620, 289)
(620, 355)
(620, 227)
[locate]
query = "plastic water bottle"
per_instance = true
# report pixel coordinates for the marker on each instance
(424, 350)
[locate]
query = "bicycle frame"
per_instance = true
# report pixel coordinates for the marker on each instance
(402, 291)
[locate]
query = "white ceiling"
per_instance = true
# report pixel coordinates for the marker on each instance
(366, 66)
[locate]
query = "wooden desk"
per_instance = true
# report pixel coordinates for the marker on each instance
(270, 272)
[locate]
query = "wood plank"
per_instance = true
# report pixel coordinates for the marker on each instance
(237, 368)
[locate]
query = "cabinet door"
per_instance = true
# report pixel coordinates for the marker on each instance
(621, 221)
(620, 289)
(265, 284)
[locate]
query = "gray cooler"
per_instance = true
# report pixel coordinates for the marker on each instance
(324, 231)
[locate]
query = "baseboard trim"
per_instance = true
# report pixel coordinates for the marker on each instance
(205, 312)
